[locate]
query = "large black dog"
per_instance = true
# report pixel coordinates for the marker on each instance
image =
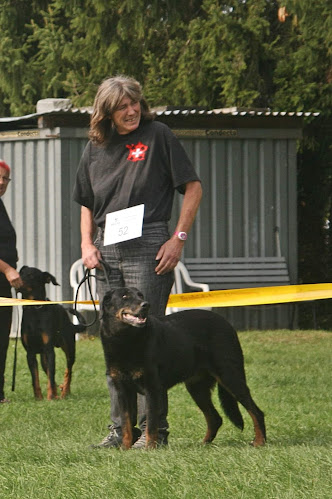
(148, 355)
(43, 328)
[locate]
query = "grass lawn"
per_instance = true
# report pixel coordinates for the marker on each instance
(45, 445)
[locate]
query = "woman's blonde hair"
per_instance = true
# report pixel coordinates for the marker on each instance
(109, 95)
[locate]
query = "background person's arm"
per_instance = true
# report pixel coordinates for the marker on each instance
(90, 254)
(11, 274)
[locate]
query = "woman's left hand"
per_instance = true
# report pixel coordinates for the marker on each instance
(168, 255)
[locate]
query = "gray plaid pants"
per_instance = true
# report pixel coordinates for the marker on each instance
(132, 264)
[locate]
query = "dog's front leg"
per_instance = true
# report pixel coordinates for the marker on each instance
(33, 366)
(124, 391)
(152, 394)
(127, 432)
(48, 362)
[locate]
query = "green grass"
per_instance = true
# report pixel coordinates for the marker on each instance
(44, 446)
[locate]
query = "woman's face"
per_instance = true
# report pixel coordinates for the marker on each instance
(127, 116)
(4, 180)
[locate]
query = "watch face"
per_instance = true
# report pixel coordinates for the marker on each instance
(182, 236)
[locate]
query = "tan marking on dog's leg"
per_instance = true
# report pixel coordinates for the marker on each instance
(36, 387)
(65, 387)
(212, 427)
(151, 439)
(45, 338)
(200, 391)
(51, 391)
(259, 439)
(127, 434)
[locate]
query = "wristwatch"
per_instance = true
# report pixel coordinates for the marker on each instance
(181, 235)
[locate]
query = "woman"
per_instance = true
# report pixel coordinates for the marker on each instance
(132, 160)
(9, 277)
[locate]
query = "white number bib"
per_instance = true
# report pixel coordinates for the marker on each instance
(123, 225)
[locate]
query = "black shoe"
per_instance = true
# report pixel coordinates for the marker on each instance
(162, 439)
(114, 438)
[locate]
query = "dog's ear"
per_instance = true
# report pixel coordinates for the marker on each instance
(50, 278)
(107, 300)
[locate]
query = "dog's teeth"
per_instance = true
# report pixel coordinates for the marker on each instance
(133, 319)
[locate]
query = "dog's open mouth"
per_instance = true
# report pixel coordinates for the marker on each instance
(137, 320)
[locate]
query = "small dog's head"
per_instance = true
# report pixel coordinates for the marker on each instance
(126, 305)
(34, 281)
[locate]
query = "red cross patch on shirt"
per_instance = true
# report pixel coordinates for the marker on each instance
(137, 151)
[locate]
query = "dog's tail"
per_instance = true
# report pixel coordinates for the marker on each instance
(230, 406)
(79, 328)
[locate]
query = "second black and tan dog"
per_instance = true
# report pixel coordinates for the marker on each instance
(43, 328)
(149, 355)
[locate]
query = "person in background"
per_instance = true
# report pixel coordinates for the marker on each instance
(9, 277)
(132, 160)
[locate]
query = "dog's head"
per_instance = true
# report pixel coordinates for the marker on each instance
(34, 281)
(125, 305)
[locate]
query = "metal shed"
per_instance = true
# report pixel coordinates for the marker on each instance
(246, 160)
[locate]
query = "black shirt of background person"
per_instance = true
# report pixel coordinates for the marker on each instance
(8, 252)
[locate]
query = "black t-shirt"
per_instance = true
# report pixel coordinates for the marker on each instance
(8, 252)
(142, 167)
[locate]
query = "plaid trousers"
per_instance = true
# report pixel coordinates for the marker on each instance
(132, 264)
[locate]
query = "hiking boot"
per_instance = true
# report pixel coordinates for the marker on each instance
(162, 439)
(114, 438)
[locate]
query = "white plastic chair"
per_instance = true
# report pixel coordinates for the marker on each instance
(181, 275)
(77, 270)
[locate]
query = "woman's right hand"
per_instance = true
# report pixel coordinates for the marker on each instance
(91, 256)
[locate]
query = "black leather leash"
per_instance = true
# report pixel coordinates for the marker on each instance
(87, 277)
(15, 349)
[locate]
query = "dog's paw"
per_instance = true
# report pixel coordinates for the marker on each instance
(257, 443)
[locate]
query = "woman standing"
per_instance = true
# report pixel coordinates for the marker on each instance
(132, 160)
(9, 277)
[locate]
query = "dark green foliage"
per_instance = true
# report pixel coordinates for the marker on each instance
(208, 53)
(303, 75)
(18, 90)
(221, 59)
(67, 47)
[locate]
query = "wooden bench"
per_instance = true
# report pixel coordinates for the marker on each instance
(239, 272)
(247, 272)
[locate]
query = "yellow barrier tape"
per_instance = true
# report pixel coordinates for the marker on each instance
(223, 298)
(252, 296)
(12, 302)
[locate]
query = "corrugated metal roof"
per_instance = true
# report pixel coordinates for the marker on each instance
(33, 116)
(180, 111)
(231, 111)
